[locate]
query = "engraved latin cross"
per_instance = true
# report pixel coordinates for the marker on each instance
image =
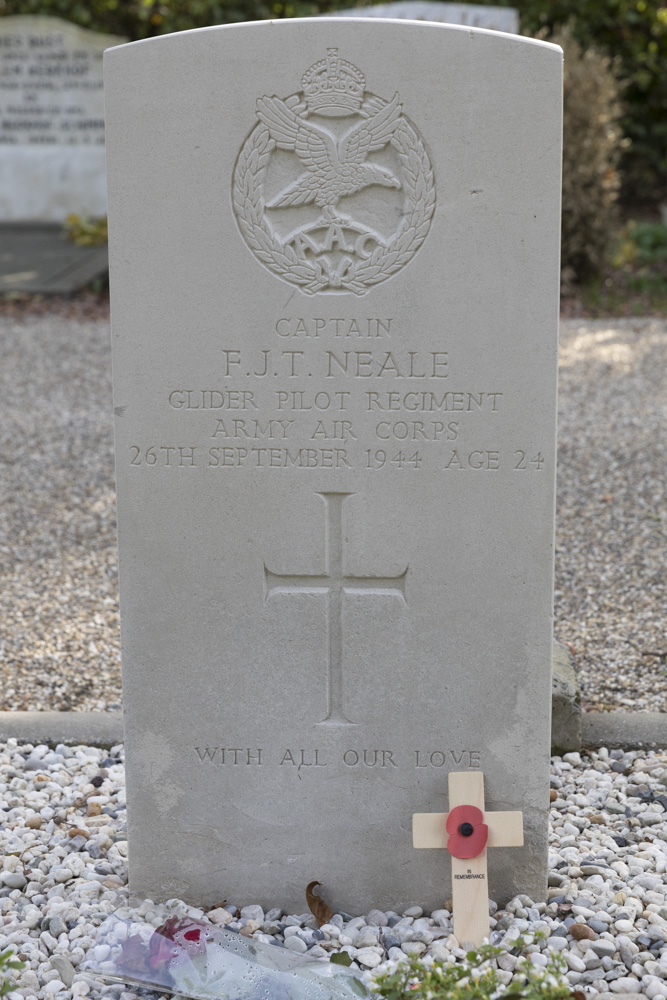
(334, 582)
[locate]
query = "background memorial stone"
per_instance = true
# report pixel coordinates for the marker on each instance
(51, 119)
(335, 483)
(472, 15)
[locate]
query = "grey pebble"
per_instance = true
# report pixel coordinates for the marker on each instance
(57, 927)
(597, 925)
(14, 880)
(367, 937)
(33, 764)
(603, 948)
(272, 927)
(64, 968)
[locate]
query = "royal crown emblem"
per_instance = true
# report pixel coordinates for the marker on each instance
(333, 189)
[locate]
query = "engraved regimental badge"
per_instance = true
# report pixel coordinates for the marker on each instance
(333, 189)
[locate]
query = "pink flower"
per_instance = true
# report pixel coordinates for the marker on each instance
(175, 939)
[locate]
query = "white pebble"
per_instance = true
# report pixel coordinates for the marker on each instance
(54, 986)
(413, 947)
(368, 957)
(295, 943)
(575, 963)
(626, 984)
(62, 874)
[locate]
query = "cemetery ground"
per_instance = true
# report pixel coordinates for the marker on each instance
(63, 833)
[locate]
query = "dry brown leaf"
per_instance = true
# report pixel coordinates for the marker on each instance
(320, 910)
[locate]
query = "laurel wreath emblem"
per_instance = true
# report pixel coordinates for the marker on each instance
(419, 205)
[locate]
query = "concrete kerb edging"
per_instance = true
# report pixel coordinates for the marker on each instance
(98, 729)
(614, 730)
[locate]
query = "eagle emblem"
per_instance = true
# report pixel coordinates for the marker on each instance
(333, 190)
(334, 168)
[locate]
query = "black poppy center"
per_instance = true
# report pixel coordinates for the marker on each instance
(466, 829)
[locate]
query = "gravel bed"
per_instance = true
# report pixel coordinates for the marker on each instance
(59, 647)
(64, 853)
(611, 593)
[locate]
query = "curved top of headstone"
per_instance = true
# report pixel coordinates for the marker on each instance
(471, 15)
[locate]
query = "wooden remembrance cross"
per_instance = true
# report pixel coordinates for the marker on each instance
(466, 831)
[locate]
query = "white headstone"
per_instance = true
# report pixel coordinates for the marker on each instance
(335, 285)
(51, 119)
(473, 15)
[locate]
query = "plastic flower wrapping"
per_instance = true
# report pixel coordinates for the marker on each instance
(193, 959)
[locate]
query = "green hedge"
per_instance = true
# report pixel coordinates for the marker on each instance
(141, 19)
(633, 30)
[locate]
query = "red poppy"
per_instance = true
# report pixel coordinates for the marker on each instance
(467, 831)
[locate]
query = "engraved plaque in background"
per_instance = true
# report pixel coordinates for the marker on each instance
(335, 449)
(51, 119)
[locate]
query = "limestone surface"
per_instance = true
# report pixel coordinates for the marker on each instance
(335, 398)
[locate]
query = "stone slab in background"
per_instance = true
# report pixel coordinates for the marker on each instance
(36, 258)
(565, 702)
(472, 15)
(51, 119)
(335, 445)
